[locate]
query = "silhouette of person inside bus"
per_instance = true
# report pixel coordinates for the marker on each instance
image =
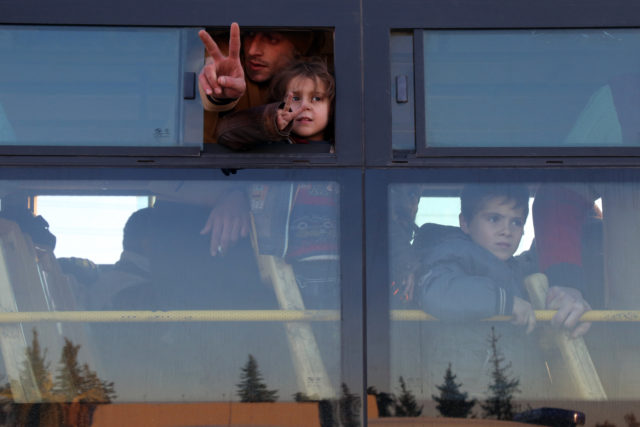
(300, 110)
(127, 284)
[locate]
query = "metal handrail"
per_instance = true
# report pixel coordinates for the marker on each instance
(268, 316)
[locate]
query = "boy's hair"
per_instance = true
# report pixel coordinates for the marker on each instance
(474, 196)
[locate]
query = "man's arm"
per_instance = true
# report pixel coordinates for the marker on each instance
(559, 213)
(229, 219)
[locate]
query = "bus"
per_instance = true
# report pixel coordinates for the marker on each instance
(151, 276)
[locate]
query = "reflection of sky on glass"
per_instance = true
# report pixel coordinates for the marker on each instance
(445, 211)
(88, 226)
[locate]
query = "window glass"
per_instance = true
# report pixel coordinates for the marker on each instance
(230, 330)
(531, 88)
(474, 262)
(94, 87)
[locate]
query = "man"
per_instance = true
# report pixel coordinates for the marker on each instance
(236, 82)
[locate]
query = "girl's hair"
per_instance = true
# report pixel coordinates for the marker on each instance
(314, 69)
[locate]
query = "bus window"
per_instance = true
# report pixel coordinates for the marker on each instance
(183, 312)
(525, 88)
(101, 87)
(467, 263)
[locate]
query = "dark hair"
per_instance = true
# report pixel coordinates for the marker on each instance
(314, 69)
(137, 230)
(474, 196)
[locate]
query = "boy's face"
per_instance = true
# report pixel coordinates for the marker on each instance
(311, 96)
(497, 227)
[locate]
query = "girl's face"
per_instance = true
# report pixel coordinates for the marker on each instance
(310, 95)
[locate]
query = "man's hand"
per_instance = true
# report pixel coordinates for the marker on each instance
(228, 221)
(222, 76)
(571, 306)
(286, 115)
(523, 314)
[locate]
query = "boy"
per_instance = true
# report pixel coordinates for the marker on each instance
(469, 272)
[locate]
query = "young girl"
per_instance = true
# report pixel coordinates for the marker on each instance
(301, 110)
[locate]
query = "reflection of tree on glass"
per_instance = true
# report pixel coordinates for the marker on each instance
(251, 387)
(349, 408)
(452, 402)
(406, 405)
(73, 385)
(499, 403)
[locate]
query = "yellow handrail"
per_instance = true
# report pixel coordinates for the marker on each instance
(541, 316)
(267, 316)
(171, 316)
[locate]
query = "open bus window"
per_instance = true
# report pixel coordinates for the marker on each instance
(456, 285)
(275, 62)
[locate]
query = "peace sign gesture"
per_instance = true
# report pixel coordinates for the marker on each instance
(222, 76)
(286, 115)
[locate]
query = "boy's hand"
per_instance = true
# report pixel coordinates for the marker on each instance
(523, 314)
(285, 115)
(222, 76)
(571, 306)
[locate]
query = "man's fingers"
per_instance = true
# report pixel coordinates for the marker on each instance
(216, 237)
(204, 83)
(559, 318)
(234, 41)
(574, 316)
(207, 226)
(210, 45)
(233, 83)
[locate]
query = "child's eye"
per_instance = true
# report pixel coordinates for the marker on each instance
(493, 218)
(517, 223)
(317, 98)
(295, 98)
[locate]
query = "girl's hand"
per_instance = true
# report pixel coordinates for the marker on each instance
(286, 115)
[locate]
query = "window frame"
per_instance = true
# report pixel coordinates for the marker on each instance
(343, 17)
(382, 17)
(349, 240)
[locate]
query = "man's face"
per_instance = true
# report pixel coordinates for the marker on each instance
(265, 54)
(497, 227)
